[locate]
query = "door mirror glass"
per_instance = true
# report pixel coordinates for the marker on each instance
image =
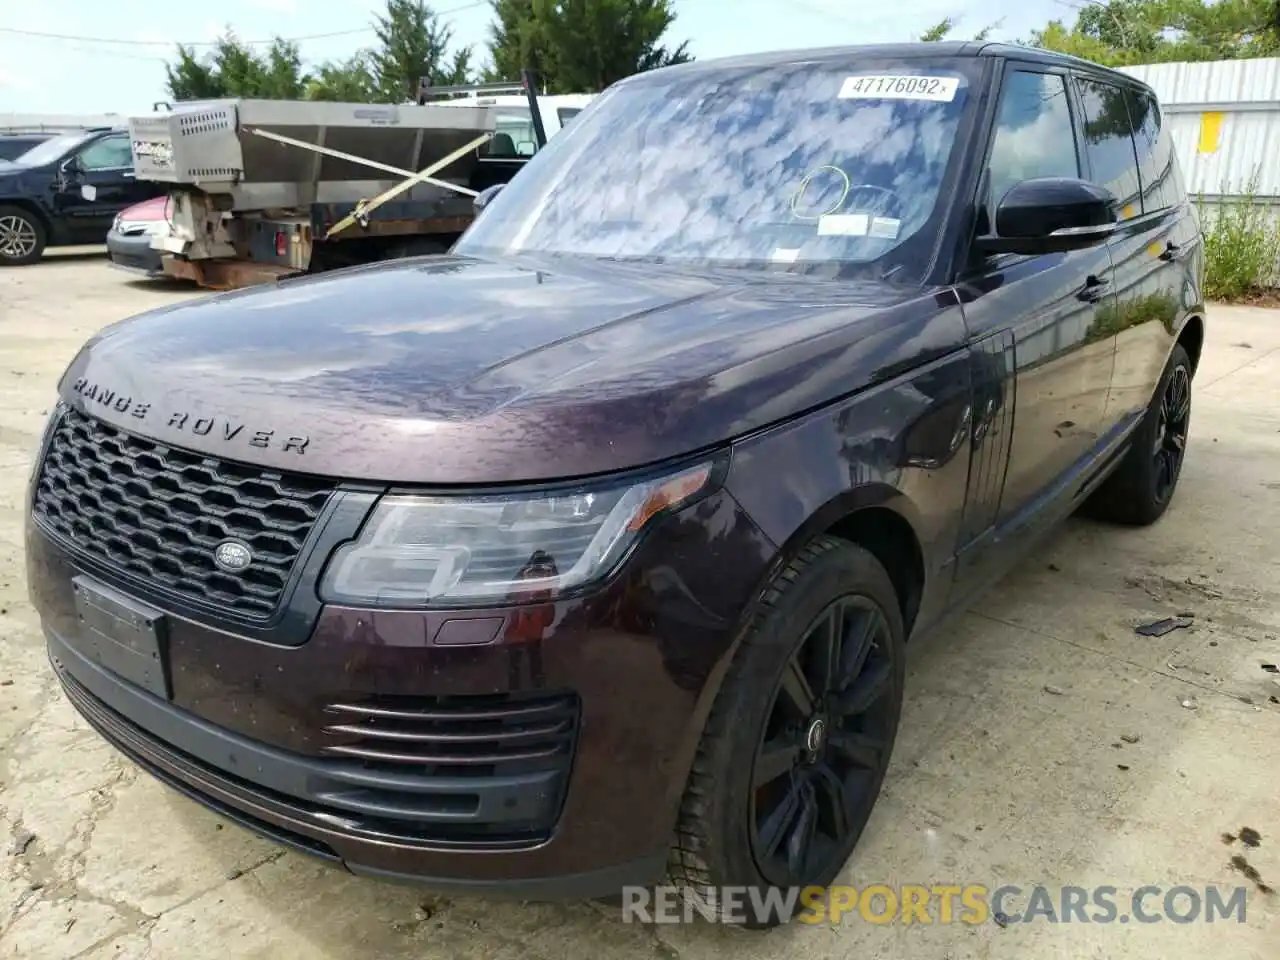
(1052, 215)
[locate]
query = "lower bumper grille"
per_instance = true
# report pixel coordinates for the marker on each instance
(403, 805)
(457, 736)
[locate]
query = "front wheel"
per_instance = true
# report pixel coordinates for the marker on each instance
(22, 237)
(1142, 486)
(795, 751)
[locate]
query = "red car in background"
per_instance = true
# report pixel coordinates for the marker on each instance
(129, 240)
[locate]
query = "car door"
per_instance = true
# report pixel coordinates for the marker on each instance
(1132, 154)
(98, 184)
(1041, 368)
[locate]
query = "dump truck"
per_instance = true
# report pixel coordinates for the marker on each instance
(264, 189)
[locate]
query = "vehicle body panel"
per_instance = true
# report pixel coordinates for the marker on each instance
(945, 416)
(56, 195)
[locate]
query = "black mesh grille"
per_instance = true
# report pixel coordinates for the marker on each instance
(157, 514)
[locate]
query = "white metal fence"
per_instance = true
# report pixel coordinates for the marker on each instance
(1225, 120)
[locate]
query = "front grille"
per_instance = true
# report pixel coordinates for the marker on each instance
(156, 513)
(457, 736)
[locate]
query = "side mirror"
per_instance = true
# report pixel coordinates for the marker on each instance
(485, 197)
(1051, 215)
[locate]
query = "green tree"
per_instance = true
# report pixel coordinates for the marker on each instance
(350, 80)
(1122, 32)
(413, 43)
(515, 42)
(590, 44)
(233, 69)
(943, 29)
(939, 31)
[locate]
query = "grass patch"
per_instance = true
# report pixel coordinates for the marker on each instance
(1242, 246)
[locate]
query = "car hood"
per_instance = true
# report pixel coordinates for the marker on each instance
(148, 211)
(451, 370)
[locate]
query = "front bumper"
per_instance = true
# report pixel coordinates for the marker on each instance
(133, 252)
(246, 731)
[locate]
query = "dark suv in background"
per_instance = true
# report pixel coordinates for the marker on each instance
(66, 190)
(590, 551)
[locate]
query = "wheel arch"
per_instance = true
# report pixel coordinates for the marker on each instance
(29, 206)
(1191, 338)
(875, 516)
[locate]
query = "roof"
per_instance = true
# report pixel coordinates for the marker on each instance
(894, 51)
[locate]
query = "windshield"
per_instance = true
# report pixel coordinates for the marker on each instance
(790, 163)
(50, 150)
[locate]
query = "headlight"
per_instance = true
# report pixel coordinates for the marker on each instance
(419, 551)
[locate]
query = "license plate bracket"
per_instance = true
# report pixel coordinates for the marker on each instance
(128, 638)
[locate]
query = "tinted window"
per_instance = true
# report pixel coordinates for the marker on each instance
(110, 153)
(797, 163)
(1155, 153)
(1108, 140)
(1033, 135)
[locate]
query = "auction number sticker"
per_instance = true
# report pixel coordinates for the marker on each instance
(900, 87)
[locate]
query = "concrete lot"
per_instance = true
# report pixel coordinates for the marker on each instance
(1043, 741)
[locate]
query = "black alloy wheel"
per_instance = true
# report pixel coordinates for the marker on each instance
(825, 744)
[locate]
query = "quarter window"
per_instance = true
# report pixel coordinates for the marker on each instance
(1033, 135)
(1155, 152)
(1108, 141)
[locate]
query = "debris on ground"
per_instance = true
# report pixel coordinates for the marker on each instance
(1122, 766)
(1251, 873)
(22, 840)
(1270, 668)
(1247, 835)
(1158, 628)
(1191, 703)
(1130, 737)
(1056, 691)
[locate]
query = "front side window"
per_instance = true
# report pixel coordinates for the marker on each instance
(1108, 140)
(1034, 136)
(109, 153)
(796, 163)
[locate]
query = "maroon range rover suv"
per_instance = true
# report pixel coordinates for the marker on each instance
(589, 551)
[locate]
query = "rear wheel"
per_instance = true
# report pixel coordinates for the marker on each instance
(1142, 486)
(795, 751)
(22, 237)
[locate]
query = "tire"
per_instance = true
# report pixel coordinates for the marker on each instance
(1140, 489)
(22, 237)
(733, 795)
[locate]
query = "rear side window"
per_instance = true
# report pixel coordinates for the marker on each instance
(1108, 141)
(1033, 137)
(1159, 177)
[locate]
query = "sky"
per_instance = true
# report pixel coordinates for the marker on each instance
(71, 74)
